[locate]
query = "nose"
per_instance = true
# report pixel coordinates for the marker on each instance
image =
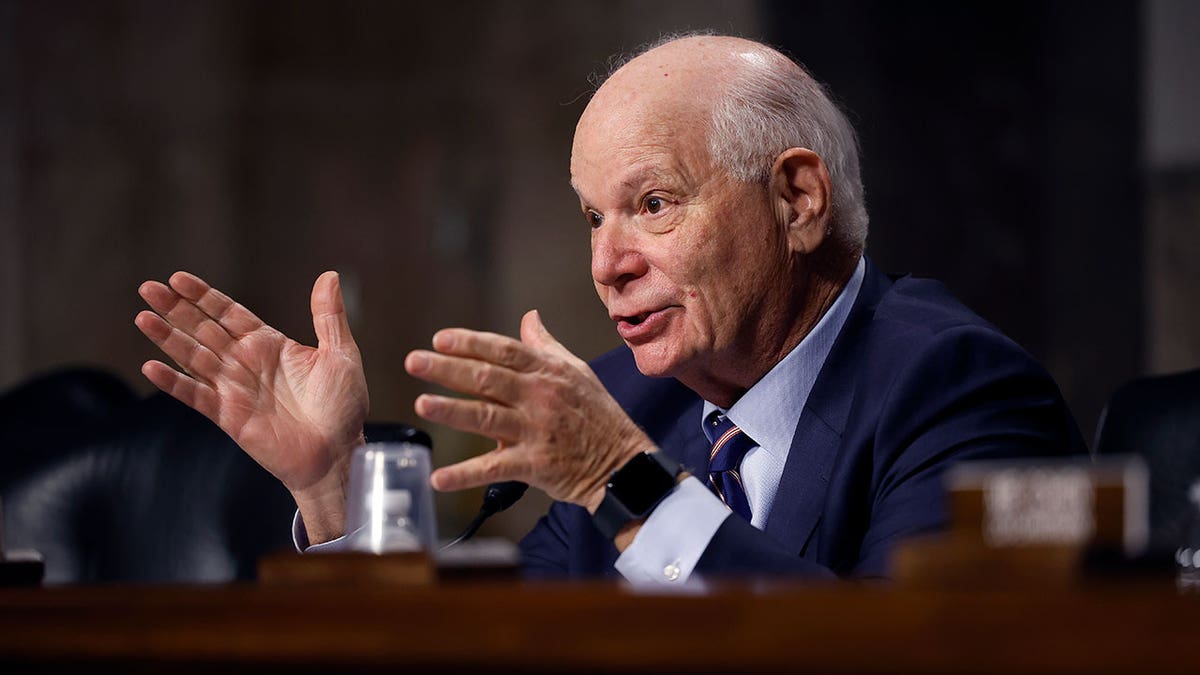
(616, 257)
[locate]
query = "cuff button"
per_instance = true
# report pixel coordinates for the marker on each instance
(671, 572)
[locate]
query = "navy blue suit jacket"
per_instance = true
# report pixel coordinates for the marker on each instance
(914, 382)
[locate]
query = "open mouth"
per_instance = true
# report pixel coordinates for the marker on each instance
(643, 326)
(637, 319)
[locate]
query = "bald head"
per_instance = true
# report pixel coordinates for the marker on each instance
(696, 67)
(685, 74)
(749, 103)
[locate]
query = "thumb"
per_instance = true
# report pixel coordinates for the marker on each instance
(534, 333)
(329, 313)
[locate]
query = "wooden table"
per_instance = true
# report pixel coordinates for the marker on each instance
(598, 628)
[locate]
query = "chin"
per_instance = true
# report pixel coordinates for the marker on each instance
(655, 361)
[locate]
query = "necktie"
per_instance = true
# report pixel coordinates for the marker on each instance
(730, 445)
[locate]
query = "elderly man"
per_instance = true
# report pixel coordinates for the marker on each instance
(780, 406)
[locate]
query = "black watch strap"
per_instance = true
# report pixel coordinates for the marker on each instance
(634, 490)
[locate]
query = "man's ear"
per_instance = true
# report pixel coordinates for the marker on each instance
(803, 195)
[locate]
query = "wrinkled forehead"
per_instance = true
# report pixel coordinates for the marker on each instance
(626, 144)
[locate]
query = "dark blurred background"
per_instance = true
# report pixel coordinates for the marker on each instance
(1040, 158)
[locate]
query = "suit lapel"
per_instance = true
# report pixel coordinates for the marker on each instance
(805, 481)
(686, 442)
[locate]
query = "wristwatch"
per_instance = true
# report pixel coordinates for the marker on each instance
(634, 490)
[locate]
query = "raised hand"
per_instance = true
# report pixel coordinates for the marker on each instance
(554, 424)
(297, 410)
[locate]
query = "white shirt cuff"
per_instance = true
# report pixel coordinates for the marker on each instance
(671, 541)
(300, 539)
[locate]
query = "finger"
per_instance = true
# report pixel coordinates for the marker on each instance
(329, 313)
(233, 317)
(192, 356)
(499, 349)
(181, 313)
(191, 393)
(472, 416)
(466, 376)
(158, 296)
(498, 465)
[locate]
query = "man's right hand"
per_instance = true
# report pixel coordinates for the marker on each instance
(297, 410)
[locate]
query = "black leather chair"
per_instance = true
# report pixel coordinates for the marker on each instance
(110, 488)
(1159, 419)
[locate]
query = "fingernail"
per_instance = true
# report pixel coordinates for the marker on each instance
(424, 404)
(418, 362)
(443, 340)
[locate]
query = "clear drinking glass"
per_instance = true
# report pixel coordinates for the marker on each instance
(389, 507)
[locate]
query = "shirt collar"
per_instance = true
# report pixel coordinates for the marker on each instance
(768, 411)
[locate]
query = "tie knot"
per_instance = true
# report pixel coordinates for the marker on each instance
(716, 425)
(730, 443)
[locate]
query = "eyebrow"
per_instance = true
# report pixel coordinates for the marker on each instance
(633, 180)
(636, 178)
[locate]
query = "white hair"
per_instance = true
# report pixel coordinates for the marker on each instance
(774, 104)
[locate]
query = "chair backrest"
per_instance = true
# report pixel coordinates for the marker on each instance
(58, 409)
(151, 493)
(1159, 419)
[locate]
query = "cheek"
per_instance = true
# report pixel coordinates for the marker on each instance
(692, 266)
(719, 299)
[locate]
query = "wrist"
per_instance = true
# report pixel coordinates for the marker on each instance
(322, 504)
(597, 492)
(323, 508)
(321, 524)
(633, 491)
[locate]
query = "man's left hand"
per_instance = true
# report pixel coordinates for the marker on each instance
(555, 426)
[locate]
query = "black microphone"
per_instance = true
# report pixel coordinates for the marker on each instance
(499, 496)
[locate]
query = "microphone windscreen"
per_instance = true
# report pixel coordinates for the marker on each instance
(500, 496)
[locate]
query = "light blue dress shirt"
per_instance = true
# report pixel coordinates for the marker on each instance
(675, 535)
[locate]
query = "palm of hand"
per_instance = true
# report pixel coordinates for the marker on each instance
(293, 407)
(297, 410)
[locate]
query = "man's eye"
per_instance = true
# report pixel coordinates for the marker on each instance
(654, 204)
(594, 219)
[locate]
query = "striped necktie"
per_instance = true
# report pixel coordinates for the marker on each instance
(730, 445)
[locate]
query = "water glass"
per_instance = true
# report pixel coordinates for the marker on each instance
(389, 507)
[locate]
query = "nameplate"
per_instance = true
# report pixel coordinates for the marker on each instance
(1033, 503)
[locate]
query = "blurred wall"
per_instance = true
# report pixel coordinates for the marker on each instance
(421, 149)
(1038, 157)
(1172, 173)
